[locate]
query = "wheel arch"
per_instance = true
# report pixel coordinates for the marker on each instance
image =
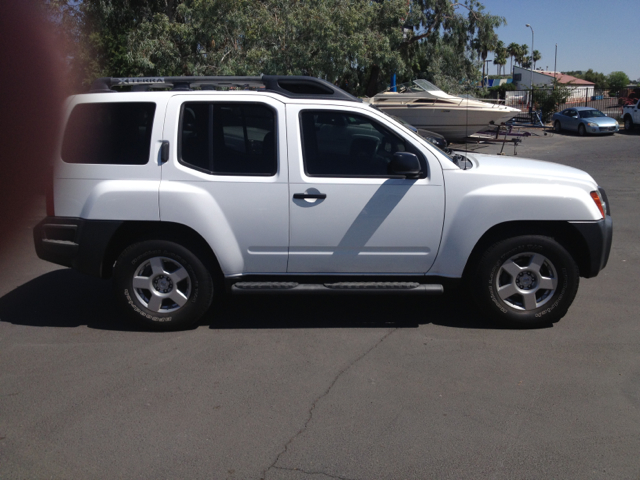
(562, 232)
(133, 232)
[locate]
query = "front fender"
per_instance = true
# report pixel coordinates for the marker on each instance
(471, 216)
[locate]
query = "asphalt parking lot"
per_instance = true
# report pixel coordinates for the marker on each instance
(323, 388)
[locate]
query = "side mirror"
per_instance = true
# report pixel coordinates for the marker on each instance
(405, 163)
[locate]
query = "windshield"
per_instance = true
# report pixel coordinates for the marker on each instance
(591, 114)
(416, 86)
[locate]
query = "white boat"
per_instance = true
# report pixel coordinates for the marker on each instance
(424, 105)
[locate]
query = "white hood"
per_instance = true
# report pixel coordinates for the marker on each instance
(525, 167)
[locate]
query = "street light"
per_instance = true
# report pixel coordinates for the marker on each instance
(531, 68)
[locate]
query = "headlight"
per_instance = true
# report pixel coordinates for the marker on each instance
(592, 125)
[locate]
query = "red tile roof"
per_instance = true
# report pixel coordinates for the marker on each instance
(564, 79)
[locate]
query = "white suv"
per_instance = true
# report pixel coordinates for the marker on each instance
(183, 187)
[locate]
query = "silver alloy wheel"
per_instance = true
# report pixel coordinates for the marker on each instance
(526, 281)
(162, 284)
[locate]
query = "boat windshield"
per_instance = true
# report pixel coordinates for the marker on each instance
(416, 86)
(426, 86)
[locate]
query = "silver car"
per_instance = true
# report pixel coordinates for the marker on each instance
(584, 120)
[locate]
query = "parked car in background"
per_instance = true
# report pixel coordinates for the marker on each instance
(631, 115)
(584, 120)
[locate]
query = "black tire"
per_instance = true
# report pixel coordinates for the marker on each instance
(172, 288)
(557, 127)
(582, 131)
(524, 282)
(628, 123)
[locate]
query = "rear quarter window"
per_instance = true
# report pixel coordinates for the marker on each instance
(109, 133)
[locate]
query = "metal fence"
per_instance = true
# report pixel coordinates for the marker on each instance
(598, 99)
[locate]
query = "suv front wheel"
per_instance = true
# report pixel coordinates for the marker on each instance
(526, 281)
(162, 285)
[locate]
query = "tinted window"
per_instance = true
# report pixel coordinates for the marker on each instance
(228, 138)
(344, 144)
(109, 133)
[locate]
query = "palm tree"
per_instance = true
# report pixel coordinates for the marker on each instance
(536, 58)
(486, 38)
(500, 55)
(524, 49)
(500, 61)
(512, 51)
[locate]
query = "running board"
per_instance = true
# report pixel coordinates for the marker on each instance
(335, 288)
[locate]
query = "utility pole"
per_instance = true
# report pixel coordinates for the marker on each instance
(555, 64)
(531, 70)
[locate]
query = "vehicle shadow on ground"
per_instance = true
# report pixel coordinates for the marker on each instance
(65, 298)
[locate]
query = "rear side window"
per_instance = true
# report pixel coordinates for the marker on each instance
(109, 133)
(228, 138)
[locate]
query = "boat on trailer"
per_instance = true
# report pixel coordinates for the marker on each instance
(424, 105)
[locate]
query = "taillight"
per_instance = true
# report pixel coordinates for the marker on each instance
(599, 202)
(49, 194)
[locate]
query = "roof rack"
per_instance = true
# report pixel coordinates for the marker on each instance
(289, 86)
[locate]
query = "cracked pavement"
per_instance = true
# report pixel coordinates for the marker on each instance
(312, 388)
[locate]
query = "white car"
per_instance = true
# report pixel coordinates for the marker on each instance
(290, 185)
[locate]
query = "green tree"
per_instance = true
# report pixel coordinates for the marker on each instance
(500, 56)
(547, 100)
(514, 51)
(357, 44)
(522, 53)
(599, 79)
(617, 81)
(536, 58)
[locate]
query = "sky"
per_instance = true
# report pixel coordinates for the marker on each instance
(601, 35)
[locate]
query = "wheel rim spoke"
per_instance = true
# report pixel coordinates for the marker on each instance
(512, 269)
(507, 291)
(156, 265)
(178, 297)
(142, 282)
(155, 302)
(547, 283)
(179, 275)
(529, 300)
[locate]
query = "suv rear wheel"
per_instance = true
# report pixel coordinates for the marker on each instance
(162, 285)
(526, 281)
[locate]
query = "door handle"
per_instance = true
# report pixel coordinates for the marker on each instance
(164, 151)
(302, 196)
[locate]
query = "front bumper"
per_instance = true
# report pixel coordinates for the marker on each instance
(597, 237)
(603, 130)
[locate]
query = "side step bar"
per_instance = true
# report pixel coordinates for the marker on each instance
(335, 288)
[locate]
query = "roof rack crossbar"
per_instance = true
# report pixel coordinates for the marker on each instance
(289, 86)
